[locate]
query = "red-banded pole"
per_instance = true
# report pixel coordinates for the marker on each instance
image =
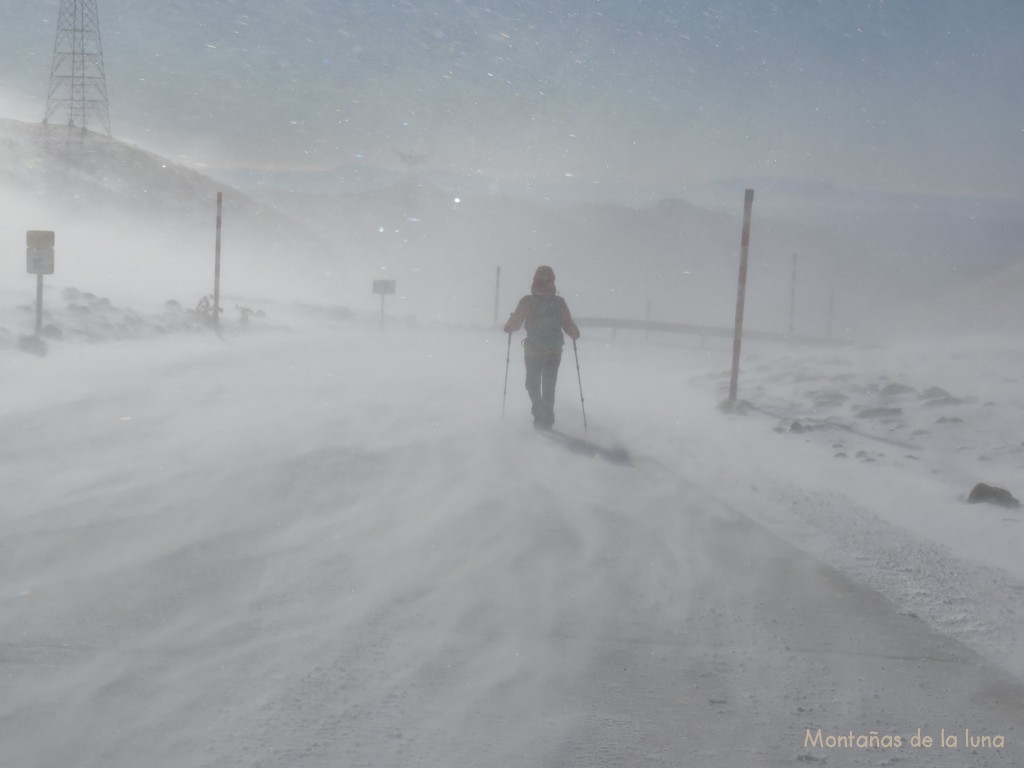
(748, 204)
(216, 264)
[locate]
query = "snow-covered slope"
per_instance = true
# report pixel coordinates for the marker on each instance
(865, 456)
(130, 223)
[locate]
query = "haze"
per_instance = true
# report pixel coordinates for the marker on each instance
(324, 531)
(636, 100)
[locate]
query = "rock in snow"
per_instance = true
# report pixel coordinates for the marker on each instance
(991, 494)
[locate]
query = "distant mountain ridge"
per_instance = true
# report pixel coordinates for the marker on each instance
(128, 218)
(886, 269)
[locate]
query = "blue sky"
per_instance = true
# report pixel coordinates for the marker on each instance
(642, 99)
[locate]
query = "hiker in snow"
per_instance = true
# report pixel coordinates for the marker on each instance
(546, 315)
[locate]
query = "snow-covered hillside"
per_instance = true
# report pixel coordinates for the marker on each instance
(866, 457)
(131, 223)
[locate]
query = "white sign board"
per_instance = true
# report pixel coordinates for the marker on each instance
(40, 261)
(36, 238)
(383, 286)
(39, 256)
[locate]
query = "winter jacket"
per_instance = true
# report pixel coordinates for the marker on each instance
(545, 315)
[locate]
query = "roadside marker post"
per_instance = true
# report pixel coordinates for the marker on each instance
(748, 204)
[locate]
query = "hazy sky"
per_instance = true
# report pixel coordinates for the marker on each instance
(643, 98)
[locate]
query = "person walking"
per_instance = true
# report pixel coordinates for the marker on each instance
(546, 316)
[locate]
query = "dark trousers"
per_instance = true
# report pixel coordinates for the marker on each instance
(541, 376)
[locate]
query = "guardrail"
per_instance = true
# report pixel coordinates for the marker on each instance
(697, 330)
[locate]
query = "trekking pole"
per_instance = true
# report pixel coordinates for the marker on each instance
(580, 380)
(508, 357)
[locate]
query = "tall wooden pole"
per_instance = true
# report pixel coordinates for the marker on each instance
(748, 204)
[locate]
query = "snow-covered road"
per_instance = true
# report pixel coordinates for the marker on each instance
(325, 549)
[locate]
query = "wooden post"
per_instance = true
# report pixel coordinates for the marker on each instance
(748, 204)
(216, 266)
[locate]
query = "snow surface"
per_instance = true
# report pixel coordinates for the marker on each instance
(308, 542)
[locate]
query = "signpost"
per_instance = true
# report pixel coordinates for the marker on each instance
(39, 262)
(383, 287)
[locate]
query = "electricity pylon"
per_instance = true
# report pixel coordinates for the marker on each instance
(78, 85)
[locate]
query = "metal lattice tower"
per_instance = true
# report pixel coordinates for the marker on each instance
(78, 85)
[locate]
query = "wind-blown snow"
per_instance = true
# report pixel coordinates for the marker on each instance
(320, 545)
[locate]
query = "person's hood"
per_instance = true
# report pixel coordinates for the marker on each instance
(543, 282)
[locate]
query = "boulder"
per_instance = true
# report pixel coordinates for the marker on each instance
(32, 345)
(52, 332)
(990, 494)
(891, 390)
(879, 413)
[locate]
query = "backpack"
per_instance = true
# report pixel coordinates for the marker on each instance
(544, 325)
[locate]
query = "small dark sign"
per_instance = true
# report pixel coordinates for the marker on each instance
(36, 238)
(383, 286)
